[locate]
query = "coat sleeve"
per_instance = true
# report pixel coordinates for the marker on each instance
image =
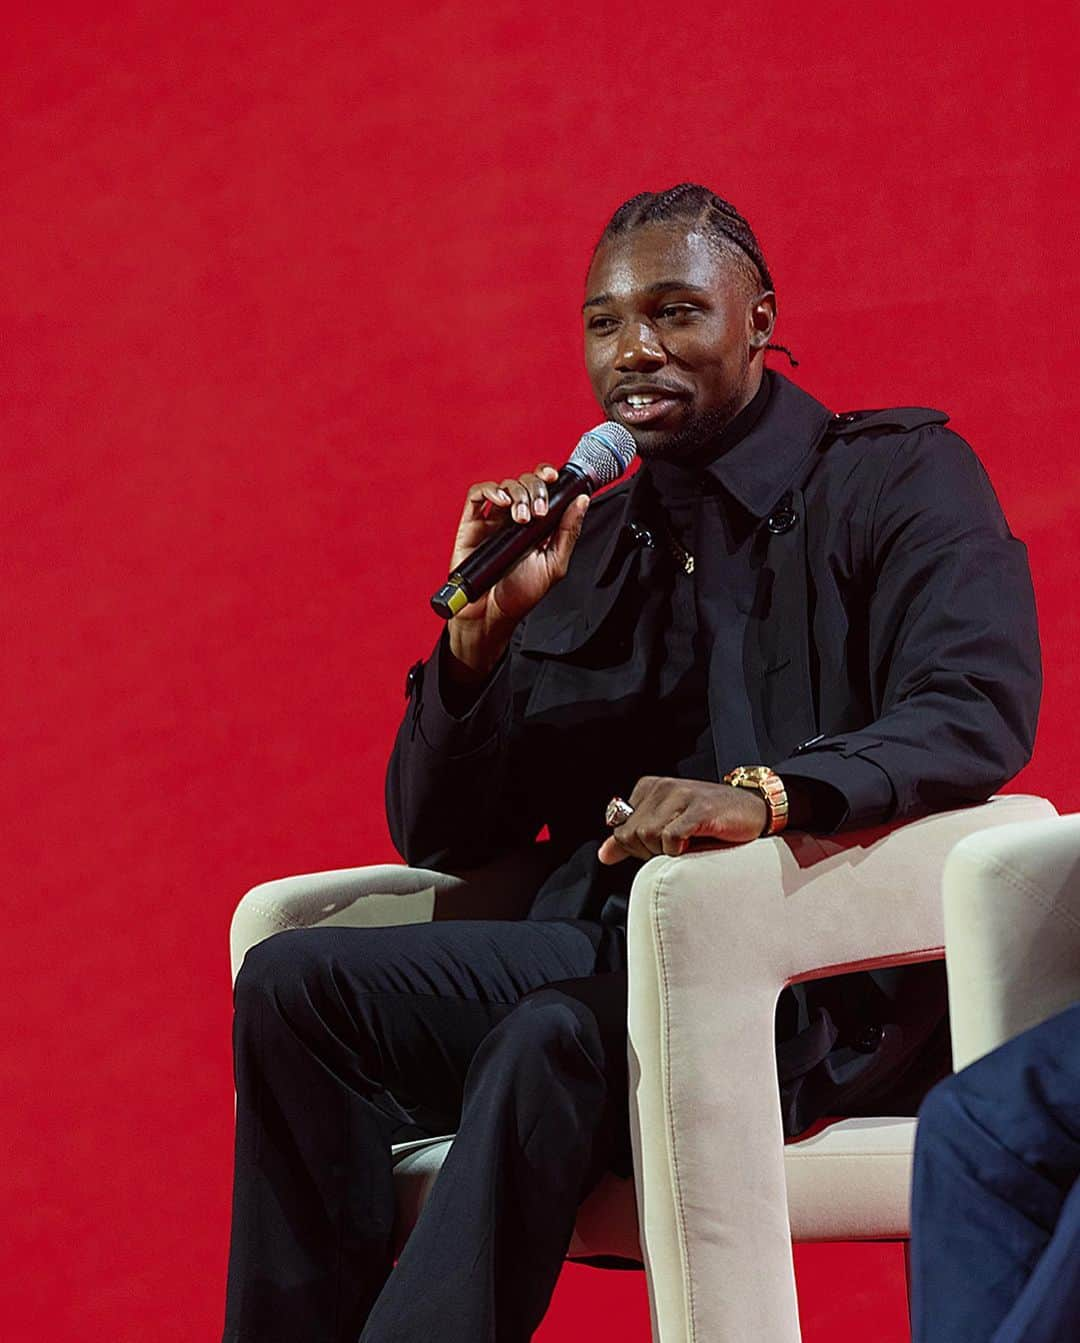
(953, 644)
(457, 793)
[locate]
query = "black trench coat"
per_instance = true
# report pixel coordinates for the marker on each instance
(870, 625)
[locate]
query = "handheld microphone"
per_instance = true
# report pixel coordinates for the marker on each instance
(601, 456)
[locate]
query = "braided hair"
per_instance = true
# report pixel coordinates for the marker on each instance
(715, 219)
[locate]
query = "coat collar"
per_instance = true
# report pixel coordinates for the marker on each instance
(755, 471)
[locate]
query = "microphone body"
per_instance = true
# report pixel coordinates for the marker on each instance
(602, 455)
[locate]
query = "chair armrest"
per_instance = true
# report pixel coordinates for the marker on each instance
(357, 897)
(354, 897)
(1012, 931)
(712, 938)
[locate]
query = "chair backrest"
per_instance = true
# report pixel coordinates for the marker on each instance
(1012, 931)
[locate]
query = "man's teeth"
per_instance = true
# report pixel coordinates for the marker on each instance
(642, 400)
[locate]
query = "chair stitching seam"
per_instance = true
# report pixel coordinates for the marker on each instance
(897, 1154)
(677, 1177)
(1033, 891)
(274, 914)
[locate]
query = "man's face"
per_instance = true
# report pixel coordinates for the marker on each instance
(669, 326)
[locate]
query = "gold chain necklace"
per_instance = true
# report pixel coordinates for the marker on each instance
(679, 552)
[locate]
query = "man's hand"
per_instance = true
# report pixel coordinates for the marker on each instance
(480, 632)
(670, 813)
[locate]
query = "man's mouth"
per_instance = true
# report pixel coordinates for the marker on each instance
(645, 407)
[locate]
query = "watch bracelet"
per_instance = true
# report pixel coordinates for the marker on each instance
(769, 787)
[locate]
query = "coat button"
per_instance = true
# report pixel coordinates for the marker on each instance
(641, 535)
(413, 678)
(782, 520)
(868, 1039)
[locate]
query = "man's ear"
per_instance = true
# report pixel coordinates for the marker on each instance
(761, 317)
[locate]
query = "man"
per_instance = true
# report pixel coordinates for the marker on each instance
(833, 601)
(995, 1213)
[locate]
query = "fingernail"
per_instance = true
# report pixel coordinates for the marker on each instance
(521, 512)
(503, 497)
(540, 507)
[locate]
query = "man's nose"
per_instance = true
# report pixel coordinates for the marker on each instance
(639, 347)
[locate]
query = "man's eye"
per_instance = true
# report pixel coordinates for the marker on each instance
(678, 310)
(601, 323)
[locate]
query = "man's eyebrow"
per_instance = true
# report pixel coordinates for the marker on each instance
(660, 287)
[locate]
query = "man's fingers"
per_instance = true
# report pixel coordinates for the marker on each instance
(486, 504)
(520, 499)
(671, 814)
(627, 842)
(664, 821)
(619, 846)
(641, 835)
(652, 823)
(526, 495)
(611, 852)
(642, 789)
(529, 495)
(676, 835)
(537, 488)
(480, 495)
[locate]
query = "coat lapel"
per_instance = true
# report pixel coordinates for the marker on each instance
(608, 560)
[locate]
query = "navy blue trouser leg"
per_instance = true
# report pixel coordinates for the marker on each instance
(995, 1203)
(502, 1031)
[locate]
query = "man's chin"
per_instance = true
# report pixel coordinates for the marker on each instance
(671, 445)
(672, 437)
(656, 446)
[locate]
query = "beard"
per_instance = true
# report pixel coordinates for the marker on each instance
(694, 436)
(701, 429)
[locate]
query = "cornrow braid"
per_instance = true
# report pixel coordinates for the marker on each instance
(717, 219)
(783, 349)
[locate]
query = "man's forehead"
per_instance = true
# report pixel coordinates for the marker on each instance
(646, 258)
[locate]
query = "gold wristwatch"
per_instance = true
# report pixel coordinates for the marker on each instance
(769, 786)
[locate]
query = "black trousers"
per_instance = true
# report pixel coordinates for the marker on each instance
(511, 1034)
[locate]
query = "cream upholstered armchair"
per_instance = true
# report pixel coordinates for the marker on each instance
(1012, 931)
(713, 937)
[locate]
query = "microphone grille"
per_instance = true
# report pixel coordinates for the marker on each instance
(604, 453)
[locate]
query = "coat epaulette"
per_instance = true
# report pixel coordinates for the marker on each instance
(903, 418)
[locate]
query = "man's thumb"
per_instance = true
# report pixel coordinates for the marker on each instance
(568, 531)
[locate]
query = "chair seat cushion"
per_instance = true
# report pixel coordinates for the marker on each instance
(849, 1181)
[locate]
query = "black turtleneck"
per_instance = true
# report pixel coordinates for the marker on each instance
(679, 743)
(678, 485)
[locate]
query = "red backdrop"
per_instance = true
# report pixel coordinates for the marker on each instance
(278, 282)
